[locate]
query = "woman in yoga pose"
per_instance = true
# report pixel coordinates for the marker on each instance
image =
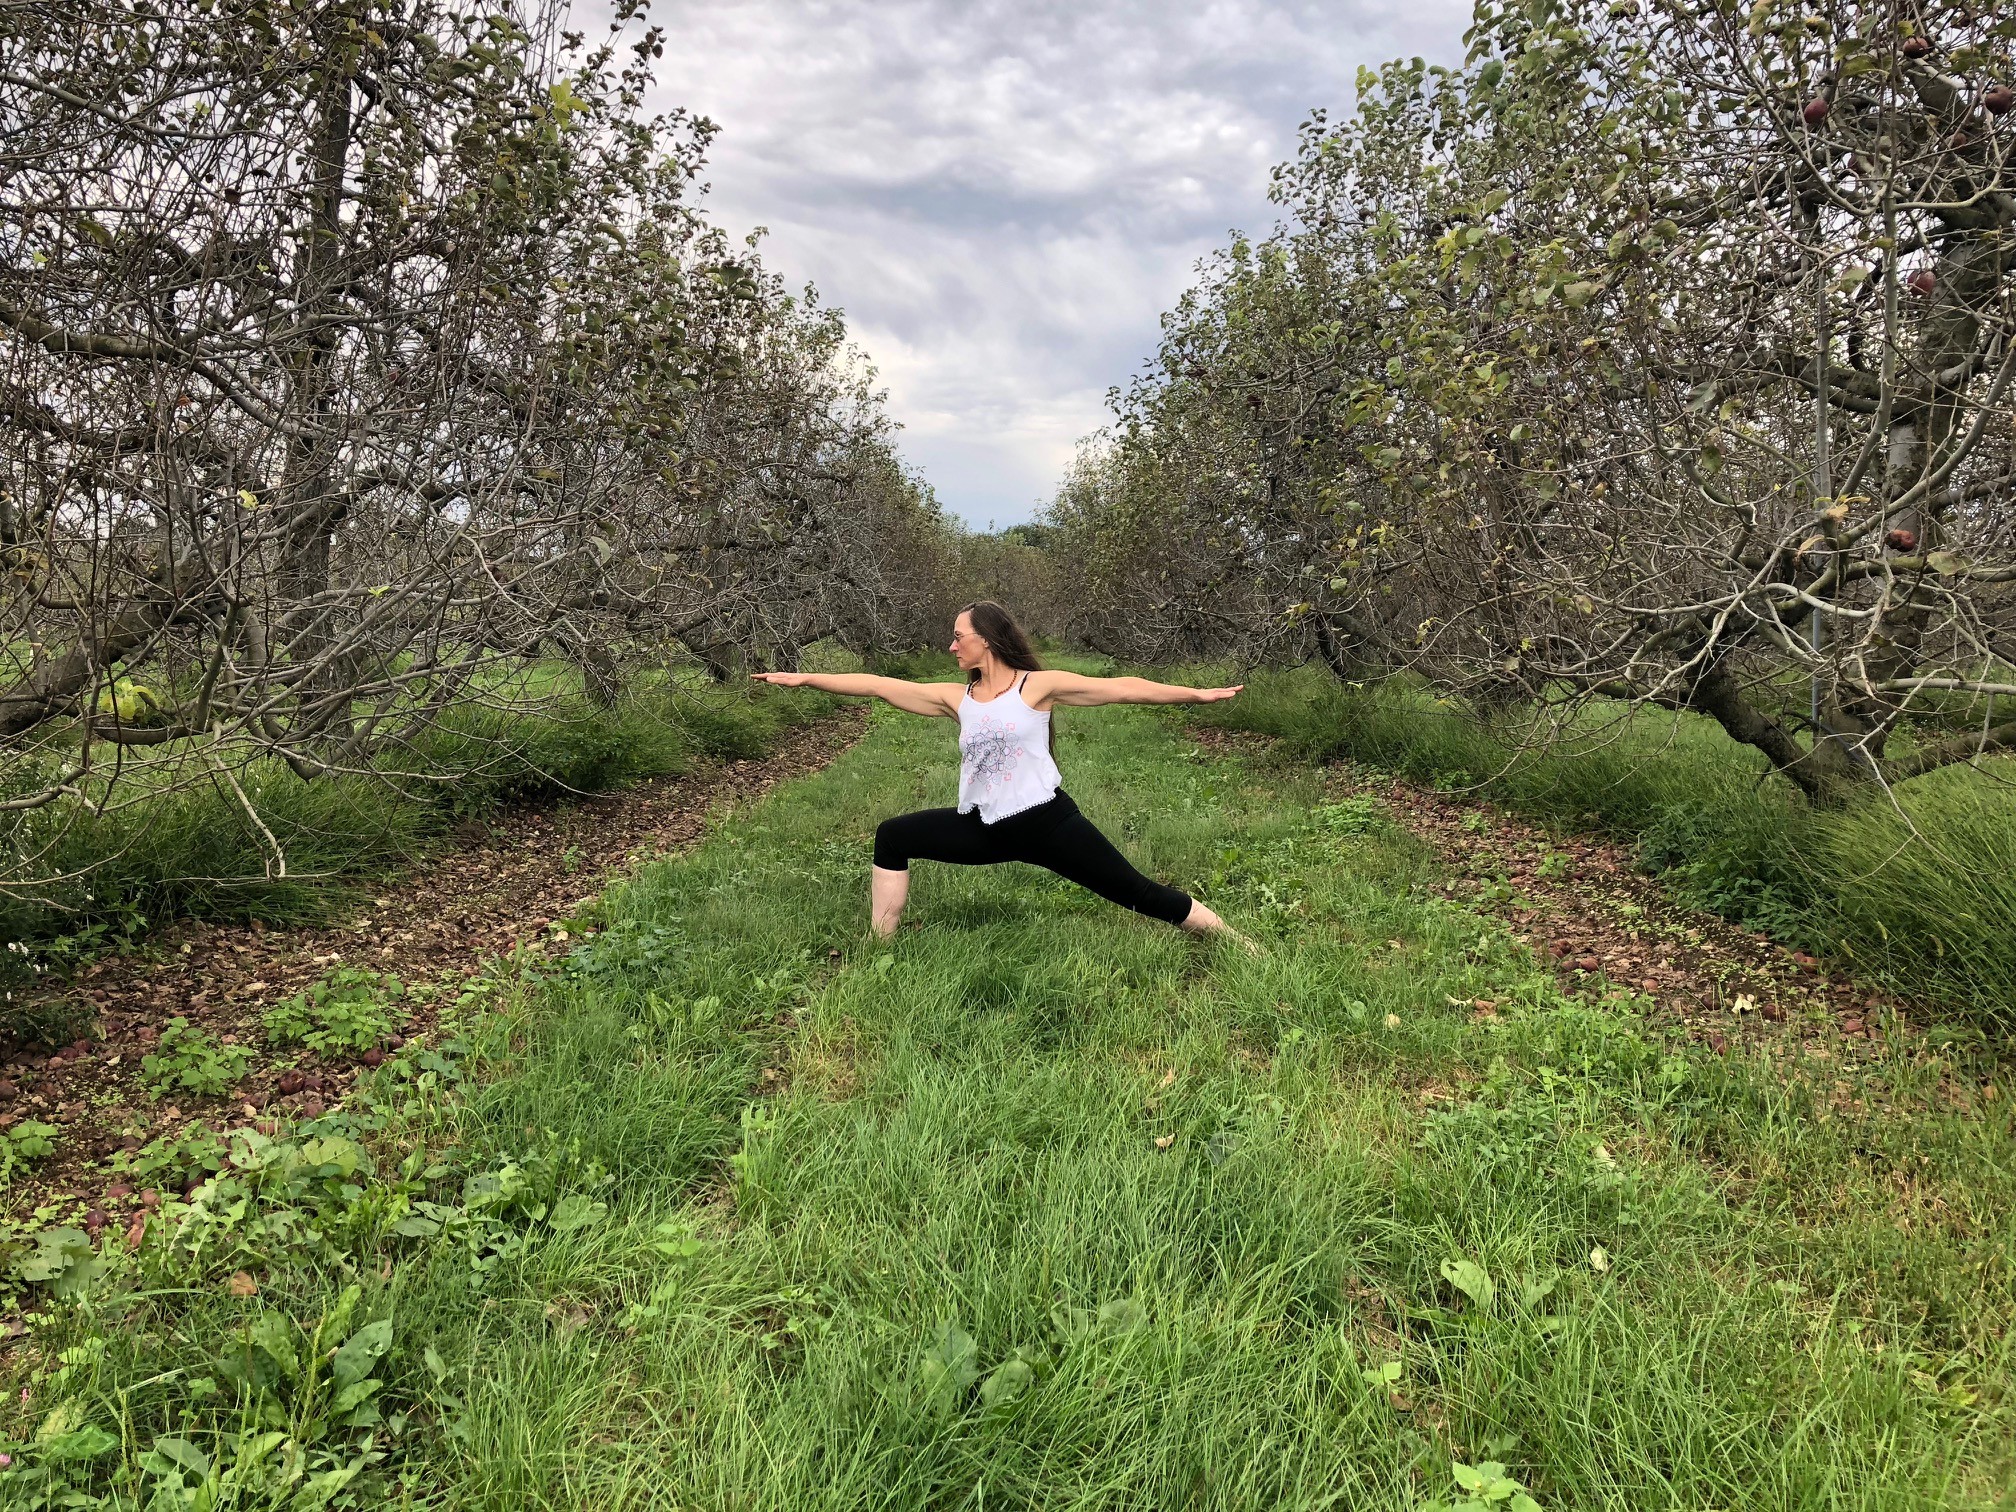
(1011, 807)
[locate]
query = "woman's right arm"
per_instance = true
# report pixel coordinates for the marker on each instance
(929, 699)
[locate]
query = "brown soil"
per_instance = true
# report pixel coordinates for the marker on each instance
(508, 888)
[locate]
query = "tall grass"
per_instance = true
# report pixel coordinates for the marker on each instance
(1916, 889)
(1047, 1206)
(192, 851)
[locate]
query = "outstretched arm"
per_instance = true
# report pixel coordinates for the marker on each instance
(1075, 691)
(910, 697)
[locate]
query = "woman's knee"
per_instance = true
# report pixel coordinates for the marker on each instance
(892, 850)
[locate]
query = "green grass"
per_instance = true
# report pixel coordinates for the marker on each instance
(191, 851)
(1048, 1206)
(1915, 892)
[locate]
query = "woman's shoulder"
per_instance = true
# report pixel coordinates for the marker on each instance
(1045, 683)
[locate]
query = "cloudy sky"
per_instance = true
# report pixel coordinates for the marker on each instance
(1005, 196)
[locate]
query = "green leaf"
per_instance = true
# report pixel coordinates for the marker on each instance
(87, 1443)
(354, 1395)
(274, 1333)
(1469, 1278)
(1010, 1381)
(360, 1356)
(947, 1367)
(181, 1452)
(56, 1250)
(575, 1211)
(1122, 1315)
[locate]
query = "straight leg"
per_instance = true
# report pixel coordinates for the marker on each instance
(1075, 850)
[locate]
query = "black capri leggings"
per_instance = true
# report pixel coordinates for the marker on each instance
(1053, 835)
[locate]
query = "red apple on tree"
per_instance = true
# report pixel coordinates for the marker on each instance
(1816, 110)
(1921, 281)
(1916, 47)
(1999, 100)
(1901, 540)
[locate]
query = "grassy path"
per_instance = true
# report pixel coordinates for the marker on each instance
(1049, 1206)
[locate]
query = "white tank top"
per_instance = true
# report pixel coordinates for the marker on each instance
(1004, 756)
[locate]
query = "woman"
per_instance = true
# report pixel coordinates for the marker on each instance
(1011, 807)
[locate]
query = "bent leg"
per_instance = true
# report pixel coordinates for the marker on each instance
(888, 891)
(940, 834)
(1076, 851)
(929, 835)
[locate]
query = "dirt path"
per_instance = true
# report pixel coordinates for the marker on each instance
(503, 892)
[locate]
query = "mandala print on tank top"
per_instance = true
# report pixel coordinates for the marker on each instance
(990, 750)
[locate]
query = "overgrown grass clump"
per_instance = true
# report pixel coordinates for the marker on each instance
(1916, 889)
(193, 851)
(1047, 1205)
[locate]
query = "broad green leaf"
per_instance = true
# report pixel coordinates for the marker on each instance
(1122, 1315)
(56, 1251)
(576, 1211)
(274, 1333)
(87, 1443)
(360, 1356)
(181, 1452)
(947, 1367)
(1470, 1279)
(1010, 1381)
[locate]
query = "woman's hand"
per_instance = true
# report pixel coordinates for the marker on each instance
(1217, 695)
(783, 679)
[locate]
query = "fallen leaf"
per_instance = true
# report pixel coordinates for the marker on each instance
(1163, 1141)
(1599, 1259)
(242, 1285)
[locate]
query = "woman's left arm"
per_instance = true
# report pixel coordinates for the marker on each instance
(1078, 692)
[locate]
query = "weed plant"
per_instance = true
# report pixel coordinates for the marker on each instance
(1047, 1205)
(1917, 892)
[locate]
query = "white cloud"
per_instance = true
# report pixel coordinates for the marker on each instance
(1005, 197)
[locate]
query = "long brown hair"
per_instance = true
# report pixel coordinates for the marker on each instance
(1007, 640)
